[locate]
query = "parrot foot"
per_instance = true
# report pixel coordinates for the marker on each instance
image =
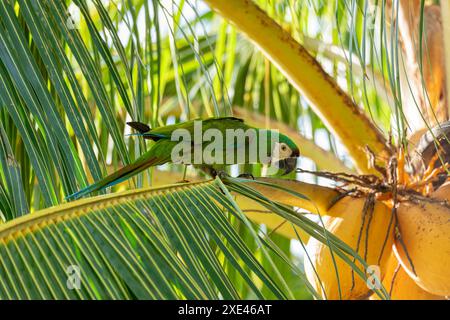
(246, 176)
(221, 174)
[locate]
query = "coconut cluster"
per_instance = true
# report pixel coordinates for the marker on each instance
(406, 238)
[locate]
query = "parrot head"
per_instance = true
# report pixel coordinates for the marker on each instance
(285, 153)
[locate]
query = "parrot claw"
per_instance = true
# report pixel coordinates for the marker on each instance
(222, 174)
(246, 176)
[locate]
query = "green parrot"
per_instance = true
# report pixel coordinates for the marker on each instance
(174, 143)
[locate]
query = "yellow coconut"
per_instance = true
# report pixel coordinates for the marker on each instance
(400, 285)
(345, 221)
(425, 233)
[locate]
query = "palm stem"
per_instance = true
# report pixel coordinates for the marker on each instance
(445, 9)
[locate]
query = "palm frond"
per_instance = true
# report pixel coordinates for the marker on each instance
(157, 243)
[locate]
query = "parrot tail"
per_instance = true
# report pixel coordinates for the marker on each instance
(115, 178)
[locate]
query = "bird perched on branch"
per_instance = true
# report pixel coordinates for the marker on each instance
(210, 145)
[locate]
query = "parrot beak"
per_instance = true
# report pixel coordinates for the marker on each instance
(287, 165)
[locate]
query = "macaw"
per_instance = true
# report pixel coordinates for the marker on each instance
(280, 149)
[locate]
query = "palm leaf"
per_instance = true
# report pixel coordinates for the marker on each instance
(12, 176)
(150, 244)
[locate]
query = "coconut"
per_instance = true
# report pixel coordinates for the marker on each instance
(348, 221)
(400, 286)
(425, 233)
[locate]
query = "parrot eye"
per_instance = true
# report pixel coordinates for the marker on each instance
(283, 147)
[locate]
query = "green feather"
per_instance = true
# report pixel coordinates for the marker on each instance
(161, 151)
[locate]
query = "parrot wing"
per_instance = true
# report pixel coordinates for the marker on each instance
(161, 151)
(165, 132)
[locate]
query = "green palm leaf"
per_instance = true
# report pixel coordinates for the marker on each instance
(151, 244)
